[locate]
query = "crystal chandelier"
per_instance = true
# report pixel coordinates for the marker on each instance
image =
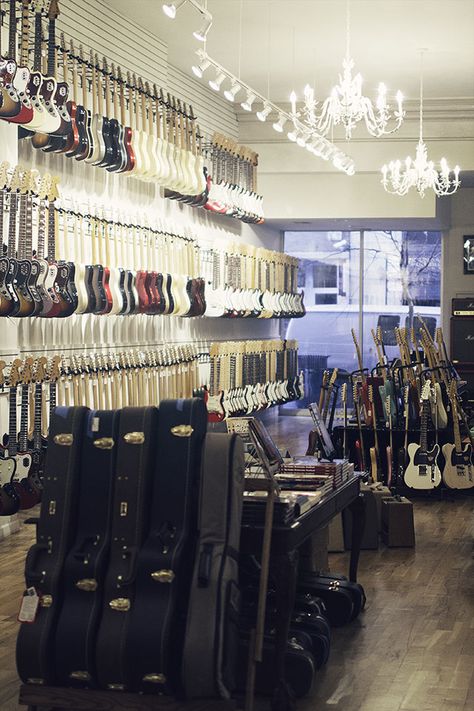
(421, 172)
(347, 105)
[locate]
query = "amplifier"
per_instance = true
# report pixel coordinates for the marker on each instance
(463, 307)
(462, 340)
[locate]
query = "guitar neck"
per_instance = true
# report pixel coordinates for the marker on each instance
(11, 250)
(23, 434)
(12, 428)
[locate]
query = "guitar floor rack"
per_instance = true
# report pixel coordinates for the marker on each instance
(50, 698)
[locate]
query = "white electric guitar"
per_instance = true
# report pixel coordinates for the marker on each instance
(422, 471)
(458, 471)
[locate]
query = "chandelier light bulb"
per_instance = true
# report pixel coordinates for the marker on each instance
(199, 69)
(278, 125)
(262, 115)
(201, 34)
(231, 93)
(170, 8)
(247, 104)
(293, 102)
(301, 140)
(217, 81)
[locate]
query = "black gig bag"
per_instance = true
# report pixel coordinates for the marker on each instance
(55, 533)
(84, 568)
(165, 562)
(211, 644)
(134, 470)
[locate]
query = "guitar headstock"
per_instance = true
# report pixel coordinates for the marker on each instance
(62, 43)
(387, 409)
(54, 369)
(44, 186)
(40, 369)
(3, 365)
(453, 393)
(14, 377)
(15, 181)
(4, 174)
(53, 193)
(355, 393)
(344, 393)
(53, 10)
(27, 370)
(333, 377)
(426, 391)
(371, 394)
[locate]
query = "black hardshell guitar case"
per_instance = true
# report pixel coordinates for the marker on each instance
(135, 464)
(211, 644)
(55, 533)
(84, 568)
(154, 642)
(343, 599)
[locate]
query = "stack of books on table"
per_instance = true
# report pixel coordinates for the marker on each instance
(287, 507)
(313, 470)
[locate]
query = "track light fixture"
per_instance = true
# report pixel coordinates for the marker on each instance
(216, 83)
(266, 111)
(247, 104)
(199, 69)
(300, 132)
(171, 8)
(231, 93)
(201, 34)
(278, 125)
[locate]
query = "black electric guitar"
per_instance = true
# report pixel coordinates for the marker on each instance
(37, 445)
(27, 304)
(27, 494)
(8, 296)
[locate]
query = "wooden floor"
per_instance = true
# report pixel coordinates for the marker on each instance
(412, 649)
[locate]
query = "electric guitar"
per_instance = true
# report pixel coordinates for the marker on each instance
(422, 471)
(458, 470)
(375, 468)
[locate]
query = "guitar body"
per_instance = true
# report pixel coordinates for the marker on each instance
(80, 281)
(458, 471)
(98, 289)
(10, 105)
(26, 305)
(98, 151)
(108, 294)
(32, 285)
(71, 288)
(215, 410)
(8, 295)
(422, 471)
(80, 147)
(63, 290)
(7, 469)
(115, 156)
(127, 139)
(39, 111)
(143, 293)
(88, 280)
(116, 281)
(44, 279)
(71, 141)
(20, 84)
(129, 298)
(52, 119)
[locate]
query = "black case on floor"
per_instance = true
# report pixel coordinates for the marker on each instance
(84, 568)
(300, 666)
(343, 600)
(154, 642)
(55, 533)
(135, 468)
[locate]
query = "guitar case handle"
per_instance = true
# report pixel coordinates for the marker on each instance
(31, 560)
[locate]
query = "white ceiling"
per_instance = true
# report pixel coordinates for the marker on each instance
(289, 43)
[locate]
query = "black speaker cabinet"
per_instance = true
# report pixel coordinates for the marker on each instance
(462, 340)
(463, 307)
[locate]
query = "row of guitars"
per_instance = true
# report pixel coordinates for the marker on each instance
(102, 117)
(84, 270)
(105, 381)
(418, 390)
(249, 376)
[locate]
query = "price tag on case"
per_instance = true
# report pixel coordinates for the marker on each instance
(29, 606)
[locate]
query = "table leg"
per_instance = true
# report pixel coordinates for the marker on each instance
(284, 568)
(357, 509)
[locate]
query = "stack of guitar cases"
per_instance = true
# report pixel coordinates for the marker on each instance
(133, 581)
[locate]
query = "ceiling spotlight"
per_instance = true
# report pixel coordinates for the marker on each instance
(216, 83)
(201, 34)
(301, 139)
(231, 93)
(247, 104)
(170, 8)
(278, 125)
(262, 115)
(199, 69)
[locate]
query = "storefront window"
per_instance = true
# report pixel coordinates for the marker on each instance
(400, 281)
